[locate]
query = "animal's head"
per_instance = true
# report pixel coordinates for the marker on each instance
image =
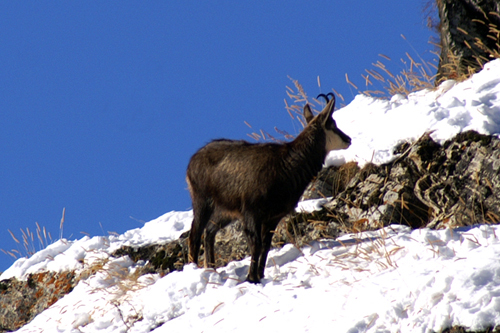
(335, 138)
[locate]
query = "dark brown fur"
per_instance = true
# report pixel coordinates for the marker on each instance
(256, 183)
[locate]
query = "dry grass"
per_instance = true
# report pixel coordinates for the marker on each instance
(369, 254)
(119, 280)
(117, 284)
(298, 98)
(379, 82)
(457, 69)
(28, 246)
(382, 83)
(454, 70)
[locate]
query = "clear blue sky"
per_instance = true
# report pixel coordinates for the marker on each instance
(102, 103)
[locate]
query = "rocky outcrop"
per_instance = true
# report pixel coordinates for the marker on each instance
(469, 33)
(21, 301)
(161, 259)
(427, 185)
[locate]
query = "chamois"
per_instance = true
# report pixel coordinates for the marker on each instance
(258, 184)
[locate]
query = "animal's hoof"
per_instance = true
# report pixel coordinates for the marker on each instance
(252, 281)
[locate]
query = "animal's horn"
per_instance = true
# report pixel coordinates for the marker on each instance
(329, 108)
(326, 96)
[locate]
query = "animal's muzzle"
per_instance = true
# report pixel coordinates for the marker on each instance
(345, 138)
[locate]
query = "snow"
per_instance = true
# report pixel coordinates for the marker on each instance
(377, 126)
(66, 255)
(390, 280)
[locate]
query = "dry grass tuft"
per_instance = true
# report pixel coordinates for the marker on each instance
(415, 75)
(297, 99)
(378, 249)
(27, 247)
(118, 284)
(457, 68)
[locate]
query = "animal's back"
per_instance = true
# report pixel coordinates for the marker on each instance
(235, 173)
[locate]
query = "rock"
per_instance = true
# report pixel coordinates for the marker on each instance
(428, 185)
(300, 229)
(157, 258)
(230, 244)
(468, 33)
(330, 181)
(21, 301)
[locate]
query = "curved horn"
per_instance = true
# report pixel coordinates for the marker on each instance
(326, 96)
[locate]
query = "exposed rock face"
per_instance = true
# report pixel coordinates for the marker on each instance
(469, 34)
(161, 259)
(230, 245)
(21, 301)
(331, 181)
(427, 185)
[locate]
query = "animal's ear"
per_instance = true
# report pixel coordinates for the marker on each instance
(328, 111)
(307, 113)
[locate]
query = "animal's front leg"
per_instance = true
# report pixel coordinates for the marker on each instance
(252, 231)
(267, 236)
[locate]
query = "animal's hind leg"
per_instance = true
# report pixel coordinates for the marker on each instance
(215, 224)
(202, 212)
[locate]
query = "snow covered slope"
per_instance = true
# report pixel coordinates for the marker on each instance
(376, 126)
(392, 280)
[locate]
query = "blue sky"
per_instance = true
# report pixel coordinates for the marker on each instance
(102, 103)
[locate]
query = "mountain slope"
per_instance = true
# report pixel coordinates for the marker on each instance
(388, 280)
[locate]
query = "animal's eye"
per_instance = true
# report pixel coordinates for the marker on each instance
(332, 124)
